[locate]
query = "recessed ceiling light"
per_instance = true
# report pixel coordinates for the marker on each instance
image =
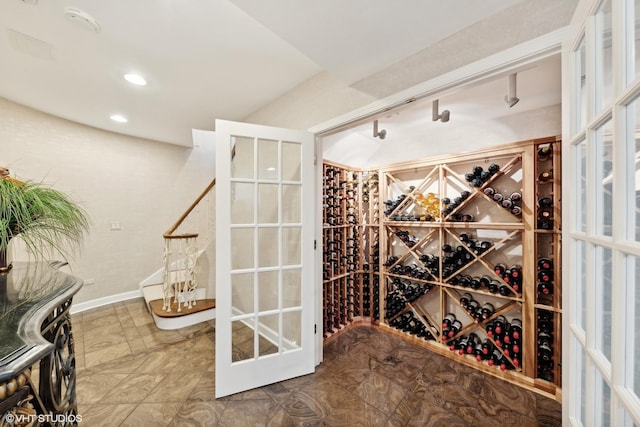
(271, 169)
(135, 79)
(119, 118)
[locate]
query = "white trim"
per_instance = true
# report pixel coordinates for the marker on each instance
(99, 302)
(501, 63)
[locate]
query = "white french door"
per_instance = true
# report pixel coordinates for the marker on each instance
(601, 215)
(264, 255)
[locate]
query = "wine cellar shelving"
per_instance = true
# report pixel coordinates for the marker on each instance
(456, 253)
(350, 247)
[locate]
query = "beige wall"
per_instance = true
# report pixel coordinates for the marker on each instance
(143, 185)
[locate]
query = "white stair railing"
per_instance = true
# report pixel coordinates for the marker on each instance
(181, 251)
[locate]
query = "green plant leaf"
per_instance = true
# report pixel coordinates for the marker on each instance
(44, 218)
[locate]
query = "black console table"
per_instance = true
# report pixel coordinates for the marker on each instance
(37, 362)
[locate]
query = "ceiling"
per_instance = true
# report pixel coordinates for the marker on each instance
(474, 110)
(204, 59)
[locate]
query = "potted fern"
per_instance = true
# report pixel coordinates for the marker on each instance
(45, 219)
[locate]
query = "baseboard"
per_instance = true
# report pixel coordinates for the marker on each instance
(99, 302)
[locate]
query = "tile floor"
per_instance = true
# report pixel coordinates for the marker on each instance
(131, 374)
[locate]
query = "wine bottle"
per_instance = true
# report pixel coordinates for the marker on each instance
(498, 338)
(487, 310)
(489, 328)
(472, 306)
(472, 341)
(489, 191)
(545, 276)
(487, 347)
(465, 299)
(516, 196)
(506, 349)
(461, 345)
(477, 170)
(499, 324)
(516, 360)
(455, 328)
(500, 269)
(545, 263)
(545, 288)
(493, 168)
(474, 283)
(493, 286)
(448, 320)
(546, 176)
(516, 346)
(478, 352)
(498, 359)
(545, 202)
(516, 210)
(515, 271)
(545, 151)
(504, 291)
(516, 329)
(466, 218)
(485, 281)
(498, 197)
(545, 352)
(545, 224)
(465, 281)
(485, 245)
(506, 334)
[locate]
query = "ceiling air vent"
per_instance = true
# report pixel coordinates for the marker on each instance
(30, 45)
(82, 18)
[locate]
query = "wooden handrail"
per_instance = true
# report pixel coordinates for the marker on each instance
(175, 226)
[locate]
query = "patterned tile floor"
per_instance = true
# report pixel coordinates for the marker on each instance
(132, 374)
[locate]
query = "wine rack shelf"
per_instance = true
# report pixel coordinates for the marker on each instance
(457, 253)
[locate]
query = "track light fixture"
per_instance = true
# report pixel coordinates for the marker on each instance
(382, 134)
(511, 99)
(444, 116)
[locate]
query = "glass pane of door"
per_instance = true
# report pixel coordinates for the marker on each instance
(633, 334)
(633, 168)
(604, 178)
(603, 300)
(580, 89)
(604, 59)
(580, 165)
(633, 40)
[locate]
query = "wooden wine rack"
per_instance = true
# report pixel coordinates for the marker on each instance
(350, 247)
(387, 265)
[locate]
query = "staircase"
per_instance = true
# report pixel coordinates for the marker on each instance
(173, 294)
